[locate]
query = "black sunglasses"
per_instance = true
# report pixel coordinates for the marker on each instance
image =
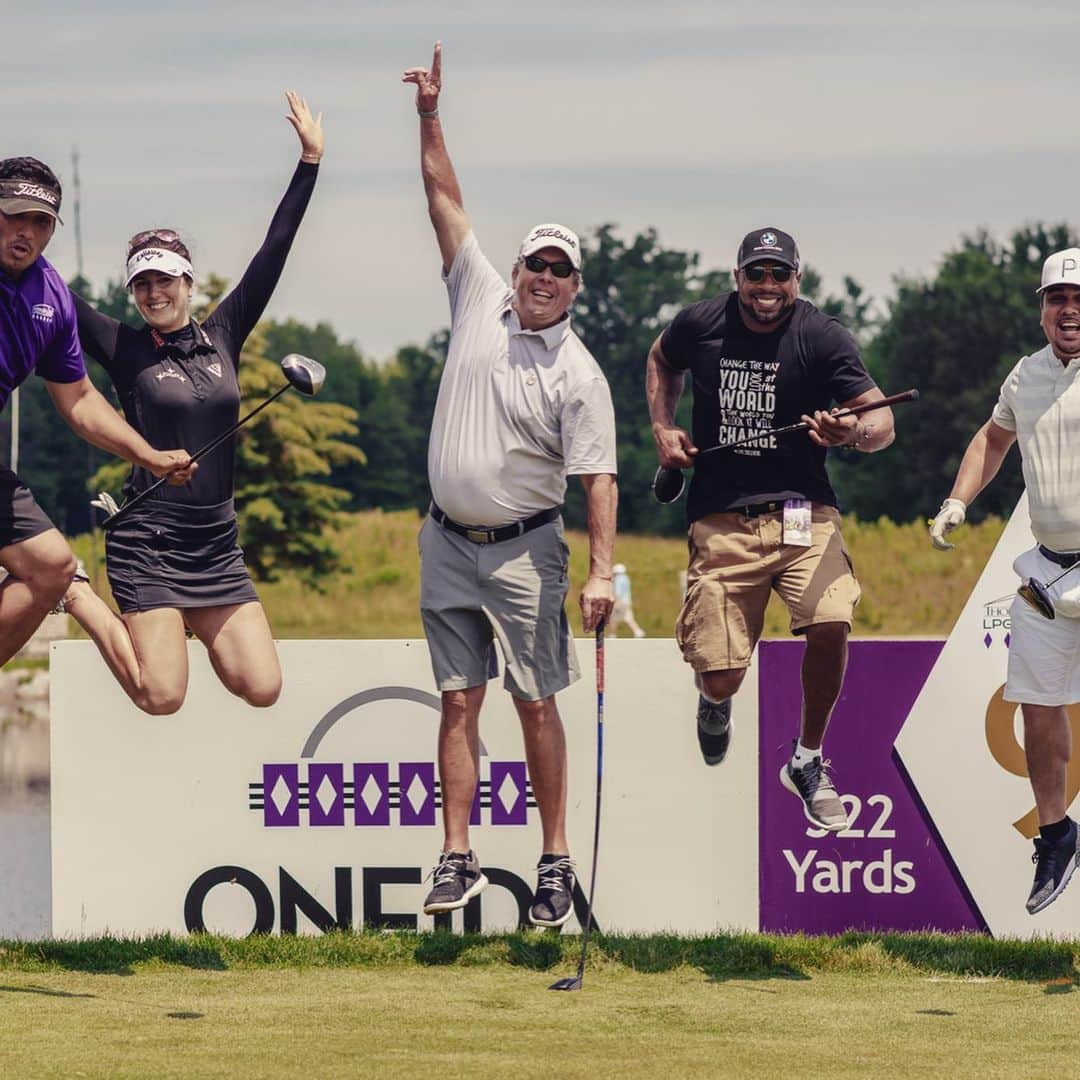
(756, 274)
(161, 236)
(538, 266)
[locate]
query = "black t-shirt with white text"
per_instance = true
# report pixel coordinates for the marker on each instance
(746, 382)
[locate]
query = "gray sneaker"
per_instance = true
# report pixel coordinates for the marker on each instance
(458, 878)
(80, 575)
(553, 901)
(814, 786)
(1054, 865)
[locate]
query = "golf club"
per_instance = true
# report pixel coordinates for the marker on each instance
(574, 982)
(301, 373)
(668, 483)
(1037, 593)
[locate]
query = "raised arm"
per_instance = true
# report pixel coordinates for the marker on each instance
(445, 206)
(243, 307)
(663, 388)
(97, 332)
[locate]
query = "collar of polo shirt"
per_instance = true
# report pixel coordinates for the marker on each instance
(552, 335)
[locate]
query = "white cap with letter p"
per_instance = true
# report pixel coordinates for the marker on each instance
(1061, 268)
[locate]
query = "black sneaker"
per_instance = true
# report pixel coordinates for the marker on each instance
(553, 902)
(458, 878)
(713, 729)
(813, 785)
(1054, 864)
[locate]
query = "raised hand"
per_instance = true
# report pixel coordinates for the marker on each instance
(428, 82)
(309, 128)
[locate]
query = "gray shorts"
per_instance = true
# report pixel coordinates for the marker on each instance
(515, 592)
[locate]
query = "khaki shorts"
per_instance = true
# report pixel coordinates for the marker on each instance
(735, 563)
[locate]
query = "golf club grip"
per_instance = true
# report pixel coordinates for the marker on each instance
(892, 399)
(202, 452)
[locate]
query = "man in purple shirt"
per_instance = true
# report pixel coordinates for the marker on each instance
(38, 334)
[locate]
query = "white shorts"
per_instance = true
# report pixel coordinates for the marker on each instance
(1044, 654)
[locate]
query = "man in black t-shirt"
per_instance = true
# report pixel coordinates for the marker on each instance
(764, 516)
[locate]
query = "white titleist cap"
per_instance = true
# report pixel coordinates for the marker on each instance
(161, 259)
(556, 236)
(1061, 268)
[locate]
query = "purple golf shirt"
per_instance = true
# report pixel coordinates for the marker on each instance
(37, 330)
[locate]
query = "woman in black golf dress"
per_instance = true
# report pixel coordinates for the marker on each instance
(174, 562)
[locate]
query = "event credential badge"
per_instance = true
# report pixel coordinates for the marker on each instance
(797, 522)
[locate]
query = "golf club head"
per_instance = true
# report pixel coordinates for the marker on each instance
(572, 983)
(305, 374)
(668, 484)
(1037, 595)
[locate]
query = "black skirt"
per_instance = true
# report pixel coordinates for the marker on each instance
(170, 555)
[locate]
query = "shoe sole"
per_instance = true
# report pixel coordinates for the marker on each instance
(554, 923)
(788, 783)
(477, 887)
(1066, 877)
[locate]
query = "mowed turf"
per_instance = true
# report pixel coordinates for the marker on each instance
(423, 1007)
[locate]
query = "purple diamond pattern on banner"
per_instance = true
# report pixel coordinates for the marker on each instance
(326, 794)
(889, 869)
(508, 782)
(371, 793)
(416, 792)
(281, 796)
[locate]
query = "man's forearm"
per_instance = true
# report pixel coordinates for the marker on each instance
(95, 420)
(602, 502)
(979, 466)
(440, 180)
(663, 389)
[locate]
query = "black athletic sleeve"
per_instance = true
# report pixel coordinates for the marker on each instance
(242, 308)
(97, 333)
(837, 358)
(681, 341)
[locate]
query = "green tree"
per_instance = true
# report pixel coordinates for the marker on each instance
(955, 337)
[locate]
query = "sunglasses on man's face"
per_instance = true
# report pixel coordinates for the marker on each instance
(756, 274)
(538, 266)
(159, 236)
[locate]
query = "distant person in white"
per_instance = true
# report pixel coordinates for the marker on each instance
(623, 611)
(521, 405)
(1039, 408)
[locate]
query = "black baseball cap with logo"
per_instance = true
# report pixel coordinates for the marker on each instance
(768, 245)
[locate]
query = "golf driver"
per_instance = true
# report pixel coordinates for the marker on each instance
(1037, 593)
(574, 982)
(668, 483)
(301, 373)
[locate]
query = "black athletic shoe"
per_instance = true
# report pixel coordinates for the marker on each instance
(553, 902)
(713, 729)
(458, 878)
(1054, 864)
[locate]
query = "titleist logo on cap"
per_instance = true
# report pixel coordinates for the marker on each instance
(558, 234)
(24, 189)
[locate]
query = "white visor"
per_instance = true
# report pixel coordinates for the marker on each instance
(160, 259)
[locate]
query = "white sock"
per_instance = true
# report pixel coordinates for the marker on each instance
(803, 756)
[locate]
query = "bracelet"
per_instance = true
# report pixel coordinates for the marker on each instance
(428, 115)
(308, 160)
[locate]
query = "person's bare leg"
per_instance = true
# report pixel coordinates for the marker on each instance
(1047, 747)
(459, 762)
(545, 752)
(823, 667)
(39, 572)
(146, 651)
(241, 648)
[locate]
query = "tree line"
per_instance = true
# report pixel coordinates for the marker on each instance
(363, 443)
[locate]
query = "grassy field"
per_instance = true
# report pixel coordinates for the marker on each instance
(908, 588)
(399, 1005)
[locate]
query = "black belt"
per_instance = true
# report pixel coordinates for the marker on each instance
(503, 532)
(757, 509)
(1065, 559)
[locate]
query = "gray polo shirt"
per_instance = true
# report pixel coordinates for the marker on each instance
(1040, 401)
(518, 410)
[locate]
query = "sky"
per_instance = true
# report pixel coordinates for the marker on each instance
(877, 134)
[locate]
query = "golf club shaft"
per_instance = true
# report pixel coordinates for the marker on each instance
(212, 445)
(599, 781)
(802, 425)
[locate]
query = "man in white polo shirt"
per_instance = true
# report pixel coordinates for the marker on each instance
(521, 405)
(1039, 408)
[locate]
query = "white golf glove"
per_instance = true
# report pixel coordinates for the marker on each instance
(106, 503)
(949, 517)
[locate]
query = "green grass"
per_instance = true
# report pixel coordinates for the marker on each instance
(908, 588)
(405, 1005)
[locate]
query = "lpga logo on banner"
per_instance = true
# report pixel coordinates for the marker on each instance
(379, 793)
(996, 624)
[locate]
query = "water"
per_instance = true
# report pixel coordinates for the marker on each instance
(25, 879)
